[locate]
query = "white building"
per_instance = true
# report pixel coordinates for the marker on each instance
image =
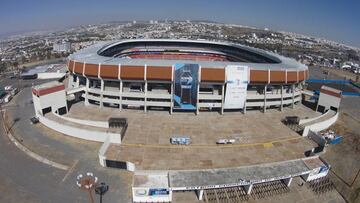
(62, 47)
(49, 97)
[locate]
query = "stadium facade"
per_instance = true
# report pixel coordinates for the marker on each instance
(185, 75)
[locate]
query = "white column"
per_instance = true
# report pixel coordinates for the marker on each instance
(77, 81)
(145, 87)
(145, 97)
(248, 188)
(293, 95)
(70, 81)
(120, 87)
(67, 109)
(171, 97)
(87, 91)
(244, 110)
(282, 98)
(287, 181)
(101, 93)
(120, 95)
(222, 98)
(197, 99)
(265, 87)
(200, 194)
(102, 85)
(198, 89)
(172, 90)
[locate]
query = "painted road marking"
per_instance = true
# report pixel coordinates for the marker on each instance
(70, 170)
(268, 144)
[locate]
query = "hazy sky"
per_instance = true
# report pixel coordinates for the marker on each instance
(338, 20)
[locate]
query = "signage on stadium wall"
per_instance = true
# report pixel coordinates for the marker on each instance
(144, 194)
(237, 78)
(186, 77)
(211, 186)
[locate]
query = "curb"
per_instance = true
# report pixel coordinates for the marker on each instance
(30, 153)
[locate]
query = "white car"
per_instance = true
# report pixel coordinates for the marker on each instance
(225, 141)
(8, 88)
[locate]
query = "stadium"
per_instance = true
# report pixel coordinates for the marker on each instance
(208, 153)
(185, 75)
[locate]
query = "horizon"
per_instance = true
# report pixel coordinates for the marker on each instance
(315, 19)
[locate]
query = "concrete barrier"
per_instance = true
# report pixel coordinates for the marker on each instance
(99, 124)
(85, 134)
(317, 138)
(308, 120)
(323, 125)
(104, 147)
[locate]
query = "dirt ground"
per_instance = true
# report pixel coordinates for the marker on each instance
(345, 158)
(342, 73)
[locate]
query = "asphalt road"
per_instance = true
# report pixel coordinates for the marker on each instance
(24, 179)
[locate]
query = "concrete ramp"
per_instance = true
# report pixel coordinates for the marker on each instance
(320, 123)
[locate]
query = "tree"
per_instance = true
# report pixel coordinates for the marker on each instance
(2, 67)
(15, 65)
(23, 59)
(352, 55)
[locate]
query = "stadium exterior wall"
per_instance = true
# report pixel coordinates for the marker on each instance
(110, 80)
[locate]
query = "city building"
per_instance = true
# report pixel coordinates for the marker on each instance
(62, 47)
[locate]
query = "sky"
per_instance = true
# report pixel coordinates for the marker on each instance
(337, 20)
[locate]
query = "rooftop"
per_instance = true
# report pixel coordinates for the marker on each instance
(254, 173)
(155, 180)
(47, 85)
(324, 87)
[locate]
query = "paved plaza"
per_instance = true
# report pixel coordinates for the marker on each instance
(260, 137)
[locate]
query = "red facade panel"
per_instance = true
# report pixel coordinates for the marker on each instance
(46, 91)
(213, 74)
(291, 76)
(91, 70)
(132, 72)
(109, 71)
(79, 68)
(277, 76)
(158, 73)
(259, 76)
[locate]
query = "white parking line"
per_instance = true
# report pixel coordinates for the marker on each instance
(70, 170)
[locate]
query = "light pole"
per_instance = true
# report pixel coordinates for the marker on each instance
(87, 183)
(101, 189)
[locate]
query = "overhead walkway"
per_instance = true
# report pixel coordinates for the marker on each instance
(75, 90)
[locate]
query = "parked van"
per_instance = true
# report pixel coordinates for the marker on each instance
(180, 140)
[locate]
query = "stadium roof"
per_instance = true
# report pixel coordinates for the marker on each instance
(105, 53)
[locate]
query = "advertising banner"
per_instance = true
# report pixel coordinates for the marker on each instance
(186, 86)
(236, 86)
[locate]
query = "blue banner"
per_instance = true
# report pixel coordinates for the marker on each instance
(186, 77)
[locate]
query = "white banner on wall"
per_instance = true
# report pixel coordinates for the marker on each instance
(237, 78)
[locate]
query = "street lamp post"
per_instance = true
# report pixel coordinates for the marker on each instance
(87, 183)
(101, 189)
